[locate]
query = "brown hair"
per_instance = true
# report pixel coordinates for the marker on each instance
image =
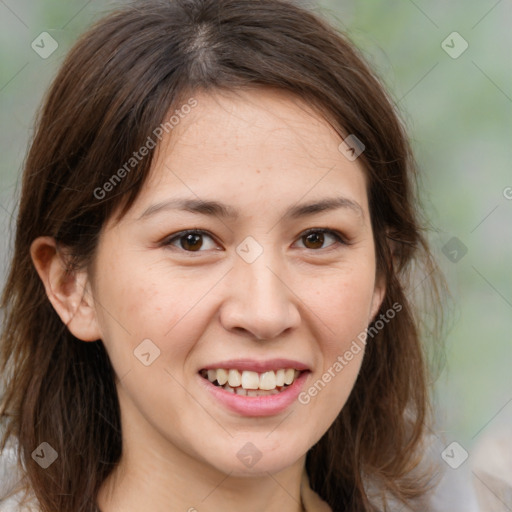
(114, 88)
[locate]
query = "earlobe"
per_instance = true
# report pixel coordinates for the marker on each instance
(379, 292)
(69, 292)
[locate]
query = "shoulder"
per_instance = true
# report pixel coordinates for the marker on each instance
(11, 499)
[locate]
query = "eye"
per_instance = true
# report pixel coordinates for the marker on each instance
(314, 238)
(190, 240)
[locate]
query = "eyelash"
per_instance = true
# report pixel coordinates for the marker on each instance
(177, 236)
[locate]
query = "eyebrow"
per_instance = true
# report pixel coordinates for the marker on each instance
(219, 209)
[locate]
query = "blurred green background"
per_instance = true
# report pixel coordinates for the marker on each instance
(458, 110)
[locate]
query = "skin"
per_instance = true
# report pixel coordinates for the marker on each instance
(260, 152)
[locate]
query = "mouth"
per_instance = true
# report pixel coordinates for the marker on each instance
(251, 383)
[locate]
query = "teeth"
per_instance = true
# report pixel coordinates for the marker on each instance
(267, 380)
(280, 378)
(289, 375)
(234, 378)
(243, 382)
(222, 376)
(251, 392)
(250, 380)
(229, 389)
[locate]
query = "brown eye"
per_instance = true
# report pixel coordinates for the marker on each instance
(189, 241)
(315, 238)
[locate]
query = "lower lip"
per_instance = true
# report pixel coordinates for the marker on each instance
(267, 405)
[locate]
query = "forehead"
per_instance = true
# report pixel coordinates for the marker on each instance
(246, 146)
(245, 121)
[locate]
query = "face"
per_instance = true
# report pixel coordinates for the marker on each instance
(264, 291)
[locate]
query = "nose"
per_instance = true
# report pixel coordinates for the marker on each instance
(260, 303)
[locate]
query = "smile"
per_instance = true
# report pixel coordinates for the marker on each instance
(251, 383)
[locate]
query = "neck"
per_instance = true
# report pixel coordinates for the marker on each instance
(157, 475)
(139, 483)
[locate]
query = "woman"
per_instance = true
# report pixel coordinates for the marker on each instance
(209, 303)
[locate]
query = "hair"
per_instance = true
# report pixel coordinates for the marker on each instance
(116, 85)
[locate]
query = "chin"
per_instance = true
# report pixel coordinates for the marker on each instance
(251, 460)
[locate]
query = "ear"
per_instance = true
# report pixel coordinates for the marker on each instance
(378, 296)
(69, 292)
(380, 281)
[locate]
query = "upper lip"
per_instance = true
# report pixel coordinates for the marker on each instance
(253, 365)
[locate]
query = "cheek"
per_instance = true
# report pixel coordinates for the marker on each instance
(140, 302)
(342, 304)
(344, 309)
